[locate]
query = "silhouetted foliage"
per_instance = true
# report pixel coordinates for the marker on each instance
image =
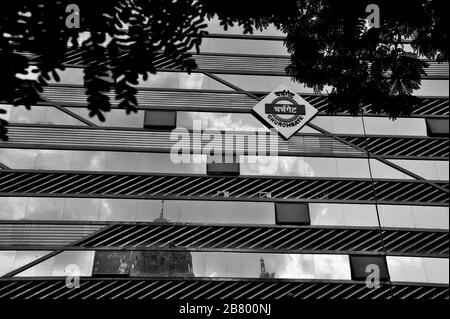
(127, 33)
(329, 43)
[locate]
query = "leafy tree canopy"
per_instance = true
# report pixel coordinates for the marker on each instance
(329, 42)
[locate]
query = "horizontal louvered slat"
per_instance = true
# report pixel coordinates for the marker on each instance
(227, 237)
(243, 188)
(43, 235)
(159, 140)
(185, 100)
(400, 191)
(436, 69)
(272, 238)
(109, 289)
(426, 106)
(245, 64)
(416, 242)
(157, 98)
(428, 148)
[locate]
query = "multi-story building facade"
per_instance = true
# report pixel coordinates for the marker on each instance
(343, 202)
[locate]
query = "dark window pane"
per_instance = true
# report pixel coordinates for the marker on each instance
(160, 119)
(223, 165)
(359, 265)
(292, 214)
(438, 127)
(223, 169)
(112, 263)
(162, 264)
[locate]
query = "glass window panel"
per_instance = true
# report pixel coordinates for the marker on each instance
(360, 215)
(352, 167)
(183, 211)
(201, 264)
(318, 166)
(96, 209)
(57, 265)
(11, 259)
(215, 27)
(55, 116)
(20, 114)
(381, 170)
(242, 46)
(288, 166)
(95, 161)
(148, 210)
(347, 125)
(181, 80)
(417, 269)
(282, 266)
(226, 265)
(379, 126)
(411, 126)
(340, 124)
(12, 208)
(434, 88)
(118, 210)
(39, 115)
(324, 122)
(396, 216)
(406, 269)
(220, 121)
(26, 257)
(343, 215)
(161, 264)
(219, 212)
(276, 48)
(83, 260)
(442, 168)
(332, 266)
(53, 159)
(206, 46)
(226, 122)
(400, 126)
(7, 261)
(7, 115)
(414, 216)
(261, 83)
(251, 82)
(70, 76)
(326, 214)
(161, 163)
(437, 270)
(207, 212)
(45, 208)
(253, 47)
(304, 166)
(219, 45)
(18, 158)
(292, 266)
(113, 262)
(425, 169)
(88, 161)
(431, 217)
(82, 209)
(124, 161)
(113, 118)
(43, 269)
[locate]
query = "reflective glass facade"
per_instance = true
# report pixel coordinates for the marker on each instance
(107, 200)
